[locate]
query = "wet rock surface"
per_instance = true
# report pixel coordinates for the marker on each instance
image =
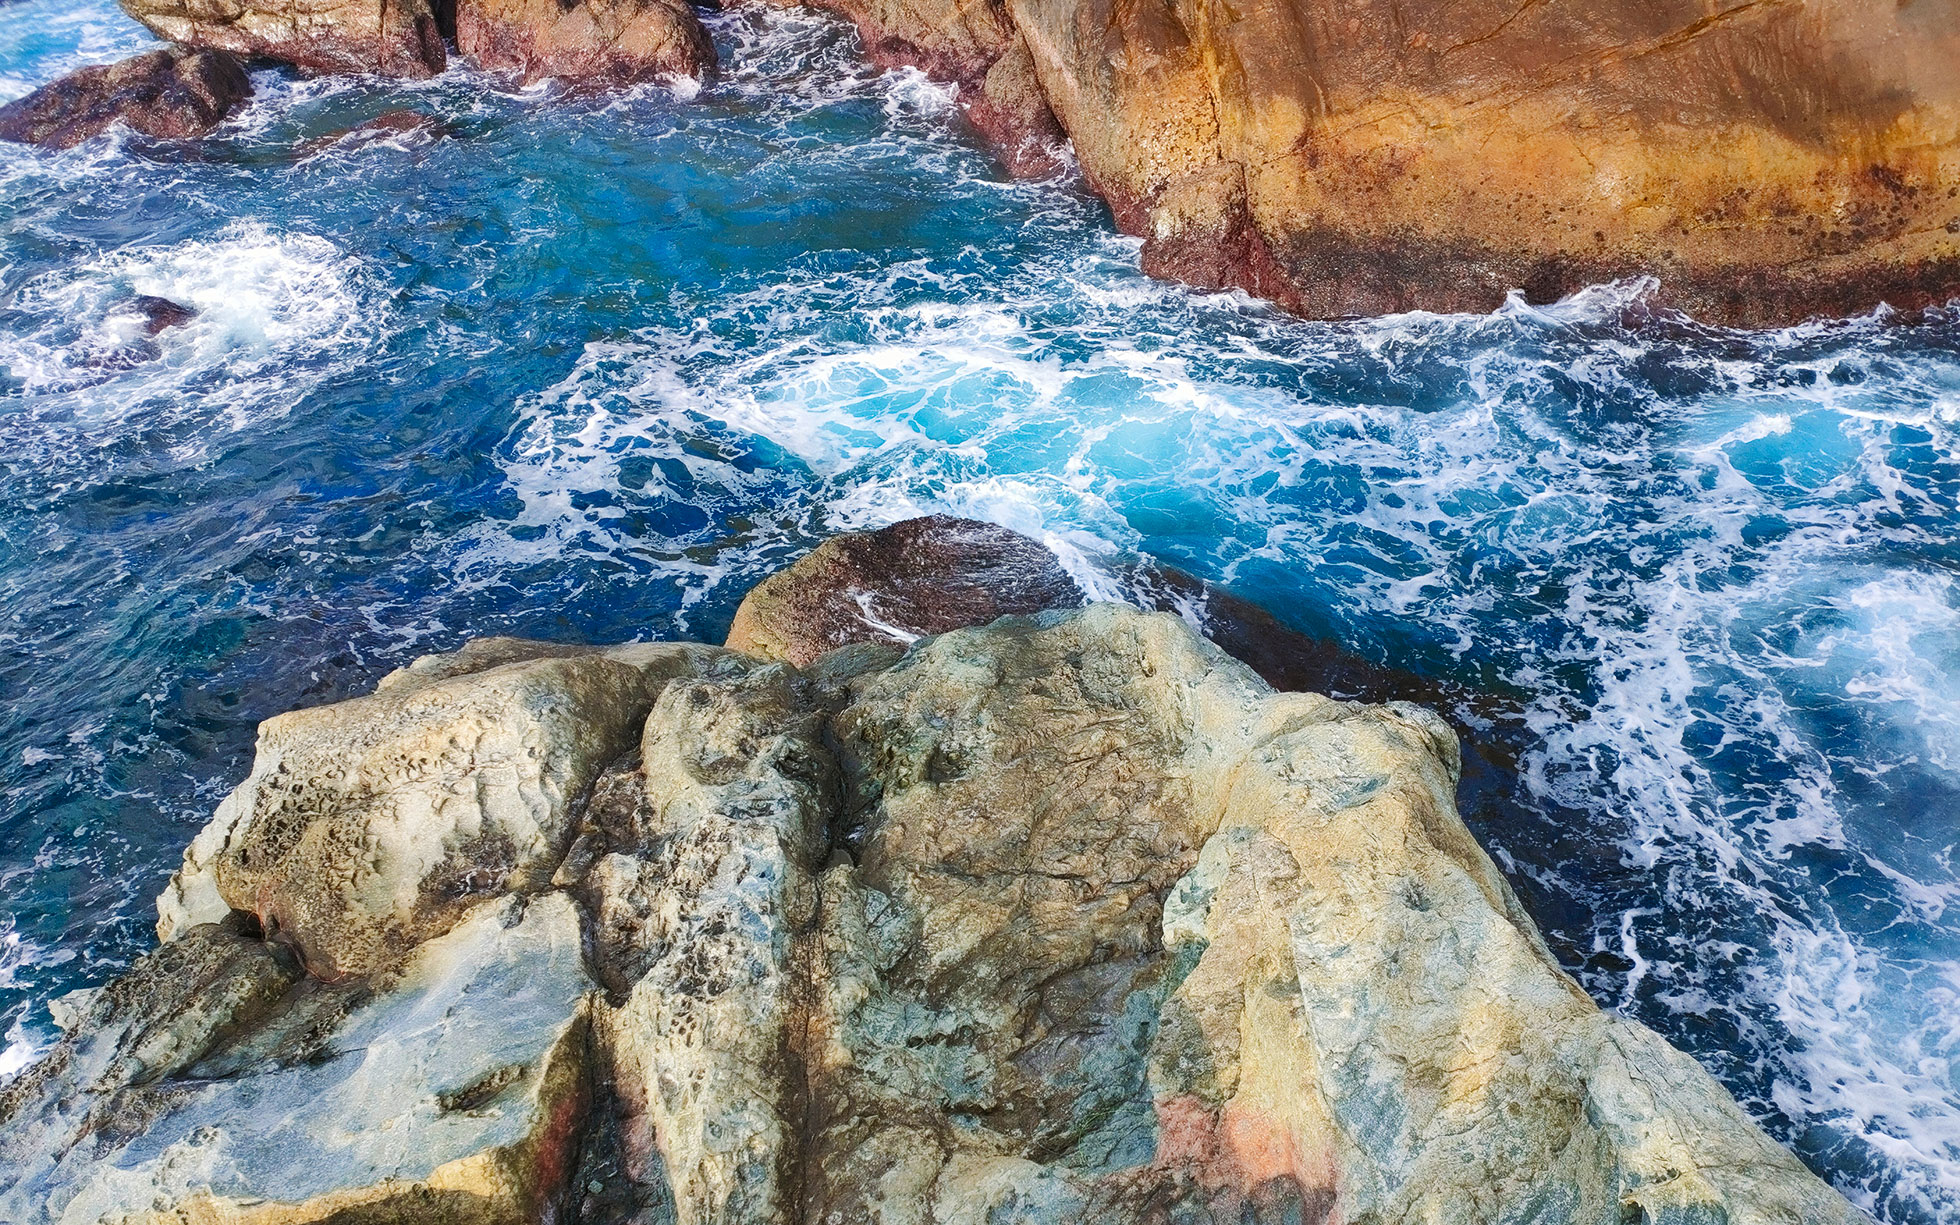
(586, 41)
(161, 314)
(405, 127)
(1062, 917)
(897, 584)
(170, 95)
(395, 38)
(1765, 161)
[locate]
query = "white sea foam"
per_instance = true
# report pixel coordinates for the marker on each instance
(272, 310)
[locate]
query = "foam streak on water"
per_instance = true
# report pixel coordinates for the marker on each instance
(589, 367)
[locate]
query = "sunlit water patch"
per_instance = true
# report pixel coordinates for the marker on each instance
(585, 368)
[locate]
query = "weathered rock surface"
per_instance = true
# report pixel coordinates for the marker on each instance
(455, 1092)
(172, 95)
(1766, 161)
(612, 42)
(396, 38)
(937, 573)
(897, 584)
(1064, 918)
(369, 826)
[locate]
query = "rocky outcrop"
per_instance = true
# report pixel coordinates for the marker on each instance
(1765, 161)
(396, 38)
(595, 41)
(900, 583)
(172, 95)
(1064, 918)
(368, 827)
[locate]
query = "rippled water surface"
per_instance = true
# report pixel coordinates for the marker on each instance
(586, 368)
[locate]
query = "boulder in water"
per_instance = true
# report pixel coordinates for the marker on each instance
(394, 38)
(161, 314)
(586, 40)
(405, 127)
(171, 94)
(913, 579)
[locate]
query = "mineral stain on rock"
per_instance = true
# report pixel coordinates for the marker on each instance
(1061, 917)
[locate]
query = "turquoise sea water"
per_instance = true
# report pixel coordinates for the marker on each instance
(586, 368)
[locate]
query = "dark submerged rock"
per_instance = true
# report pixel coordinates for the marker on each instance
(405, 127)
(161, 314)
(173, 94)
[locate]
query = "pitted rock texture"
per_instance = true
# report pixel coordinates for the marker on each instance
(613, 42)
(915, 578)
(1064, 918)
(173, 94)
(395, 38)
(1766, 161)
(369, 826)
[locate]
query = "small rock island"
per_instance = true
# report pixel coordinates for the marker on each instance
(1058, 915)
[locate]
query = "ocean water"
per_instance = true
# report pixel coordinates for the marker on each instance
(586, 367)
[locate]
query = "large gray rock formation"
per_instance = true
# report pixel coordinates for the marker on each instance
(1064, 918)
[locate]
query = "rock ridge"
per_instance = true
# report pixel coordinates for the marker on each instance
(1065, 916)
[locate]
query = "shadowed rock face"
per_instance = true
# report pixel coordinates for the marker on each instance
(173, 95)
(1767, 160)
(1065, 918)
(586, 40)
(915, 578)
(396, 38)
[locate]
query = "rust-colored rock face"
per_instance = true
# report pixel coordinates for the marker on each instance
(396, 38)
(172, 95)
(1767, 159)
(910, 580)
(638, 40)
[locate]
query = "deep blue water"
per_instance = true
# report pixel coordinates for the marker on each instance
(585, 369)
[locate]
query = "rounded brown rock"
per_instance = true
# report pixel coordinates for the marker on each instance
(173, 94)
(908, 581)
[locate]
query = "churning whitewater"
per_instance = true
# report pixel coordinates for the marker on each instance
(1692, 592)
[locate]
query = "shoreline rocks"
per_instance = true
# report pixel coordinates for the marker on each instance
(1766, 162)
(171, 94)
(392, 38)
(588, 41)
(1063, 917)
